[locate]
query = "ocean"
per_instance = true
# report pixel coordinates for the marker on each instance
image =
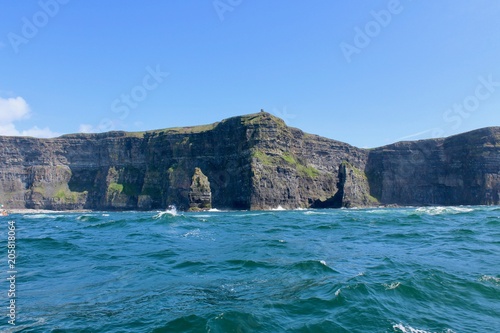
(410, 270)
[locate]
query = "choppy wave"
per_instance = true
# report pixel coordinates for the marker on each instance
(443, 210)
(392, 285)
(408, 329)
(171, 211)
(38, 216)
(50, 243)
(315, 212)
(490, 278)
(24, 327)
(403, 270)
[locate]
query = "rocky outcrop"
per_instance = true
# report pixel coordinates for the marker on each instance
(293, 169)
(248, 162)
(200, 195)
(353, 190)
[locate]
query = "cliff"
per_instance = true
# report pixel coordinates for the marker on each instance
(246, 162)
(459, 170)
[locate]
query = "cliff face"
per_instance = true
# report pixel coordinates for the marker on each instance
(459, 170)
(293, 169)
(247, 162)
(120, 170)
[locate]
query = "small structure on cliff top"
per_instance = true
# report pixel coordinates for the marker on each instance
(200, 195)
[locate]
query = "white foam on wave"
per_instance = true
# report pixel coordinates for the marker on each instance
(312, 212)
(45, 216)
(443, 210)
(36, 216)
(19, 328)
(391, 286)
(202, 216)
(490, 278)
(408, 329)
(278, 208)
(378, 211)
(172, 211)
(248, 214)
(193, 233)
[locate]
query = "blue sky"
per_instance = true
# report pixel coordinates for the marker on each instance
(368, 73)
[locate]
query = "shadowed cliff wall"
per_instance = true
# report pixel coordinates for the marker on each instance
(459, 170)
(251, 162)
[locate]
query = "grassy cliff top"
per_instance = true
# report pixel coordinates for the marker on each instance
(488, 135)
(245, 120)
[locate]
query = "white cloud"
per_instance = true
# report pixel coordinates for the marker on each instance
(8, 129)
(86, 128)
(13, 109)
(16, 109)
(105, 125)
(40, 132)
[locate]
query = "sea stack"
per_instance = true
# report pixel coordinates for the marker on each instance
(200, 196)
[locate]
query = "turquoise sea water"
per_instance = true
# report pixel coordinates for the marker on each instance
(413, 270)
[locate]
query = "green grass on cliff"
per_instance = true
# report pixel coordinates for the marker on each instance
(183, 130)
(262, 157)
(261, 117)
(357, 172)
(115, 187)
(126, 188)
(373, 200)
(67, 196)
(288, 159)
(308, 171)
(303, 170)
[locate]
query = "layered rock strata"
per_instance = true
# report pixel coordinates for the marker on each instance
(246, 162)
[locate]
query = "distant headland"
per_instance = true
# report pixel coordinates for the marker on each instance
(248, 162)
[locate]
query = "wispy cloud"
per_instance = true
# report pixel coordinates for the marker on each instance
(413, 136)
(105, 125)
(87, 128)
(40, 132)
(16, 109)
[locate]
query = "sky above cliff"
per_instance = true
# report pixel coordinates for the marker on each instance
(367, 73)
